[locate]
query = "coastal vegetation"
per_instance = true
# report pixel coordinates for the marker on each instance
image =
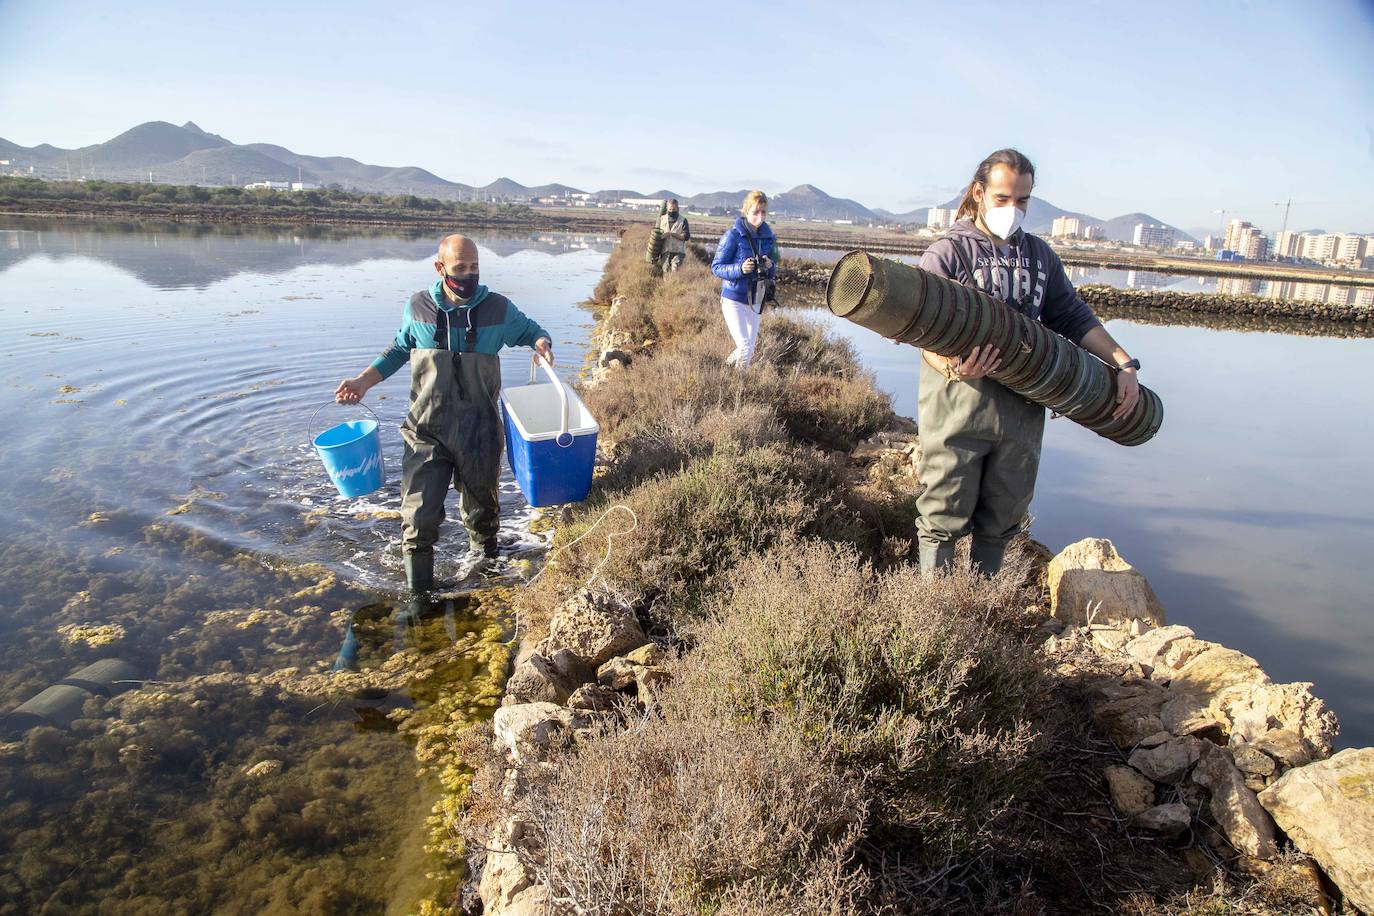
(815, 728)
(236, 204)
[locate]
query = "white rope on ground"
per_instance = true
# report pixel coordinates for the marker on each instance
(610, 537)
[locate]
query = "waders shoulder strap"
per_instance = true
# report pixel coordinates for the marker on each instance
(962, 256)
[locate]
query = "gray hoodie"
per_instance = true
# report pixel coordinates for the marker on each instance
(1029, 277)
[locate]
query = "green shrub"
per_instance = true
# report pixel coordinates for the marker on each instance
(919, 683)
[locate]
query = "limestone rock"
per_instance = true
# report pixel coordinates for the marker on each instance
(1254, 762)
(593, 697)
(528, 731)
(1286, 746)
(617, 674)
(504, 880)
(1234, 806)
(1216, 668)
(1131, 793)
(648, 654)
(1127, 713)
(1169, 761)
(1176, 654)
(1327, 810)
(1203, 686)
(595, 627)
(536, 680)
(1255, 712)
(1166, 820)
(1147, 647)
(1092, 572)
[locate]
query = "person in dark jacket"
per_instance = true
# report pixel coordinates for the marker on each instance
(746, 260)
(451, 334)
(980, 441)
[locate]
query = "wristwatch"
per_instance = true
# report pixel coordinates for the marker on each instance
(1130, 364)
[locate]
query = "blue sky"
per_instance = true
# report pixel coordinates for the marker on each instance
(1177, 109)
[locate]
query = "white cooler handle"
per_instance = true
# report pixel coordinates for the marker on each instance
(564, 439)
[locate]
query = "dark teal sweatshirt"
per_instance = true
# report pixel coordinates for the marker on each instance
(494, 321)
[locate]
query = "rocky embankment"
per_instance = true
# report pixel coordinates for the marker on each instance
(1215, 304)
(813, 275)
(1210, 742)
(1195, 761)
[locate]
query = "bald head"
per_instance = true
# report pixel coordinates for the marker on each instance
(457, 246)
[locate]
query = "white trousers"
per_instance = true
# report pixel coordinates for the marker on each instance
(742, 321)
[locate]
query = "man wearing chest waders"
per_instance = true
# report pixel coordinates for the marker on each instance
(980, 442)
(451, 333)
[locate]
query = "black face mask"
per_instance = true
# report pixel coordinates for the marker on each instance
(463, 287)
(672, 214)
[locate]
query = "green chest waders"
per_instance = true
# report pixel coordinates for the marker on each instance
(453, 436)
(980, 453)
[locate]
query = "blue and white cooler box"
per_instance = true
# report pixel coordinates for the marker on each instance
(550, 440)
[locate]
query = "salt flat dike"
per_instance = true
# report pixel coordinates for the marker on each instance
(735, 694)
(1356, 320)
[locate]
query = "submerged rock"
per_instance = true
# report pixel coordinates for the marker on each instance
(1327, 809)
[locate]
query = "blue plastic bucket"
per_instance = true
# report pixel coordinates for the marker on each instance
(352, 454)
(550, 441)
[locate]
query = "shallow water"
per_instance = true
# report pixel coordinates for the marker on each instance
(159, 485)
(1252, 512)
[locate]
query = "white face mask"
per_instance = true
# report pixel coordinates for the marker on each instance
(1003, 221)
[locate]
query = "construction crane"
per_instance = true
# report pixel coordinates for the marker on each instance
(1287, 205)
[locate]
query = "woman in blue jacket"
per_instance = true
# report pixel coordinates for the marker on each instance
(746, 260)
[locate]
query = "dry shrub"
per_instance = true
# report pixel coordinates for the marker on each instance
(695, 525)
(687, 815)
(920, 683)
(832, 410)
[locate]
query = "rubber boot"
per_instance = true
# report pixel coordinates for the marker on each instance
(420, 570)
(935, 557)
(986, 556)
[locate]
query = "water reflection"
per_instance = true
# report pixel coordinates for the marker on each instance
(164, 508)
(171, 256)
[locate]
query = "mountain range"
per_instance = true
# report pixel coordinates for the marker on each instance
(163, 152)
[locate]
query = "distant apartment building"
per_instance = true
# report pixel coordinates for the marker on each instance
(1066, 227)
(1320, 247)
(1185, 245)
(1364, 298)
(1090, 233)
(304, 186)
(1234, 230)
(1153, 235)
(1211, 243)
(1352, 248)
(1246, 241)
(268, 186)
(1288, 244)
(940, 217)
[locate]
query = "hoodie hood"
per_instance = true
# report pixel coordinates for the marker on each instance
(966, 228)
